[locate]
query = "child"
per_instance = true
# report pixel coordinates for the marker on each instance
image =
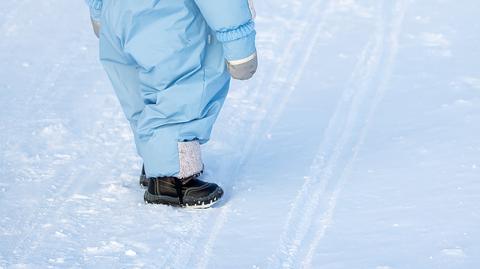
(170, 63)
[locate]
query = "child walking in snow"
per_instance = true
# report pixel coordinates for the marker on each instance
(170, 64)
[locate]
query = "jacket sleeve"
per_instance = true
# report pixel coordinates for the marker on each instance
(95, 8)
(233, 25)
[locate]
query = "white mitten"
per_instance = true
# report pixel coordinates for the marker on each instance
(243, 69)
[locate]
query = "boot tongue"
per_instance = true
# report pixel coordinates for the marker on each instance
(187, 179)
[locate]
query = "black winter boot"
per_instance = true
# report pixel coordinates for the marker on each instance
(190, 192)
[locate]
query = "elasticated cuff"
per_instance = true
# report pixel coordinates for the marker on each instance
(240, 48)
(236, 32)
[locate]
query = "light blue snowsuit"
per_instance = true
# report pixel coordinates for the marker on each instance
(166, 61)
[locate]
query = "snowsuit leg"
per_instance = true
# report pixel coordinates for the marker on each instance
(169, 74)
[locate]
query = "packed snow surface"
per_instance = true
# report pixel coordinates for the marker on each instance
(356, 145)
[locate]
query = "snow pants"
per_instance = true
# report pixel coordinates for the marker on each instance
(168, 71)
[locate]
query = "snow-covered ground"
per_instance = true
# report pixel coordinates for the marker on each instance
(357, 145)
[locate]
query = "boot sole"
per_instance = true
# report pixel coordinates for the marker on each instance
(210, 200)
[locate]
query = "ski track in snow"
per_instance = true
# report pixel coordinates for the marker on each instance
(44, 213)
(327, 163)
(400, 10)
(62, 198)
(56, 200)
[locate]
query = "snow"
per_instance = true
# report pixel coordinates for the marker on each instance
(355, 146)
